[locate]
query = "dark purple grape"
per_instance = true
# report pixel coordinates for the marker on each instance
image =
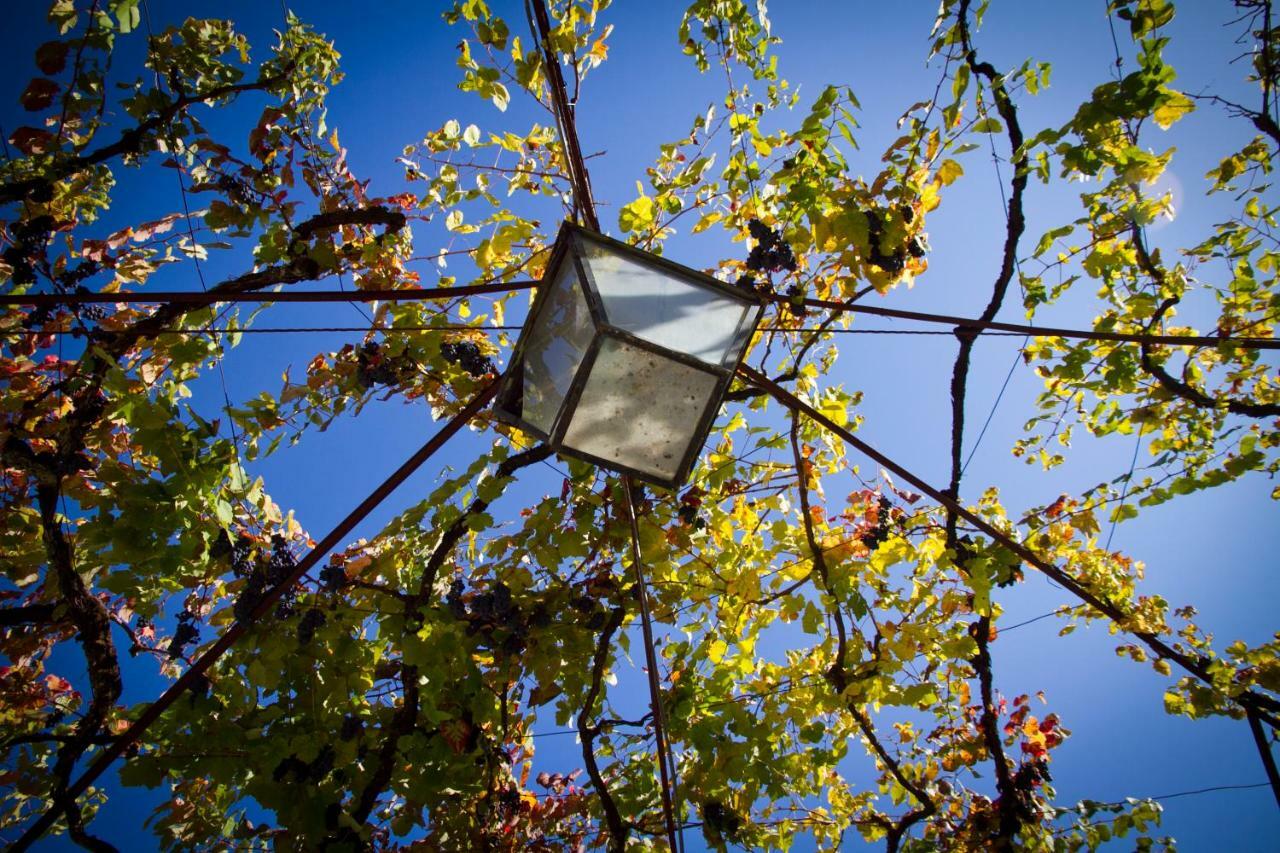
(352, 727)
(311, 620)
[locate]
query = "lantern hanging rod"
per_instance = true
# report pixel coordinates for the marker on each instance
(965, 324)
(197, 670)
(666, 768)
(1266, 707)
(186, 297)
(564, 114)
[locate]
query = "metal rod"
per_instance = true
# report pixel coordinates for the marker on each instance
(186, 297)
(564, 114)
(274, 330)
(651, 659)
(1264, 751)
(1249, 700)
(240, 627)
(965, 323)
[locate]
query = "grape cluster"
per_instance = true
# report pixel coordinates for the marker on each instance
(721, 820)
(590, 608)
(242, 555)
(875, 537)
(29, 238)
(352, 727)
(200, 689)
(263, 574)
(795, 301)
(375, 366)
(143, 624)
(185, 634)
(1032, 774)
(468, 356)
(894, 261)
(502, 624)
(689, 516)
(88, 312)
(236, 189)
(690, 501)
(83, 270)
(1026, 779)
(333, 577)
(222, 547)
(36, 318)
(311, 620)
(771, 252)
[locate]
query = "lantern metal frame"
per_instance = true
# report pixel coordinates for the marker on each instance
(569, 248)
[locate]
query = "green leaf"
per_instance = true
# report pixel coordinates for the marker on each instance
(639, 215)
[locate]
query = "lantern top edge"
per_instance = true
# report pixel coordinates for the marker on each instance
(569, 229)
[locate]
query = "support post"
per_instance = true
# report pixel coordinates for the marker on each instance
(1264, 751)
(666, 771)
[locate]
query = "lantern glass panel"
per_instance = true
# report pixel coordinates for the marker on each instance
(667, 310)
(640, 409)
(558, 339)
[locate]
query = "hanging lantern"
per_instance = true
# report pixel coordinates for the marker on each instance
(625, 357)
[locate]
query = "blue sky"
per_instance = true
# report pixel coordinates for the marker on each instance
(1212, 549)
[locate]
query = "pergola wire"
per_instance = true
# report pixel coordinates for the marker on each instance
(444, 327)
(961, 325)
(965, 325)
(212, 297)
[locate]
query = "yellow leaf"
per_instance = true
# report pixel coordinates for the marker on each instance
(1173, 109)
(949, 171)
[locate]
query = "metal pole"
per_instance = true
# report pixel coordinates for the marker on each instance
(211, 297)
(966, 324)
(1249, 701)
(239, 628)
(1264, 751)
(651, 659)
(564, 115)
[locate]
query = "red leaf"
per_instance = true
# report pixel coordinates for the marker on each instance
(407, 201)
(118, 239)
(39, 94)
(57, 684)
(51, 57)
(456, 733)
(93, 250)
(32, 140)
(147, 230)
